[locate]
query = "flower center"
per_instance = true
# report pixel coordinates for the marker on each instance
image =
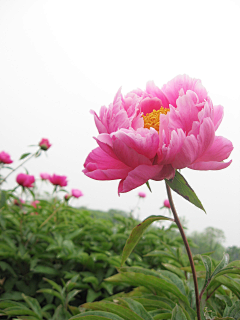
(151, 120)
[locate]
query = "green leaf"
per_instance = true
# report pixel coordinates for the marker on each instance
(111, 307)
(34, 305)
(95, 315)
(92, 295)
(51, 292)
(178, 314)
(136, 234)
(3, 198)
(156, 304)
(23, 156)
(174, 269)
(233, 311)
(208, 266)
(45, 270)
(54, 285)
(148, 185)
(101, 315)
(151, 282)
(223, 263)
(180, 185)
(137, 308)
(162, 316)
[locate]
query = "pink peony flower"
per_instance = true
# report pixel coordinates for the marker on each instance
(58, 180)
(76, 193)
(44, 144)
(141, 194)
(166, 204)
(149, 134)
(34, 203)
(5, 158)
(25, 180)
(44, 176)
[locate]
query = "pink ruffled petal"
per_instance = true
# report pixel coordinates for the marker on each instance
(156, 92)
(128, 155)
(167, 172)
(138, 177)
(100, 166)
(210, 165)
(168, 152)
(100, 126)
(188, 153)
(220, 150)
(186, 112)
(149, 104)
(206, 136)
(143, 141)
(218, 116)
(172, 89)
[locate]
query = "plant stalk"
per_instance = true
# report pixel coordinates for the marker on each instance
(178, 223)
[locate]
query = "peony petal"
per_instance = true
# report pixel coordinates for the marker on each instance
(147, 105)
(167, 172)
(138, 177)
(143, 141)
(100, 126)
(173, 88)
(186, 112)
(188, 153)
(210, 165)
(168, 152)
(206, 136)
(218, 115)
(220, 150)
(100, 166)
(152, 89)
(128, 155)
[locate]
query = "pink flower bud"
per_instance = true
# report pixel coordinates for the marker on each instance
(5, 158)
(34, 203)
(44, 176)
(166, 204)
(67, 196)
(25, 180)
(44, 144)
(141, 194)
(58, 180)
(77, 193)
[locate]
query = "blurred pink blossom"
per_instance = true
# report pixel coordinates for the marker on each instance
(67, 196)
(76, 193)
(166, 204)
(18, 202)
(142, 194)
(5, 158)
(34, 203)
(44, 144)
(58, 180)
(25, 180)
(44, 176)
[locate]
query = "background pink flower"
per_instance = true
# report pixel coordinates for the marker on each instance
(44, 176)
(149, 134)
(166, 204)
(76, 193)
(25, 180)
(5, 158)
(58, 180)
(142, 194)
(44, 144)
(34, 203)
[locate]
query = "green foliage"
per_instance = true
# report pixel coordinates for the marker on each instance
(180, 185)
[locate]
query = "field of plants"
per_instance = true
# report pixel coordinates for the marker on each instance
(58, 262)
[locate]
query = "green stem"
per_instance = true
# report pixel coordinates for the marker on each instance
(178, 223)
(32, 155)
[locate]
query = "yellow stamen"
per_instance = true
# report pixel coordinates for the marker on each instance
(151, 120)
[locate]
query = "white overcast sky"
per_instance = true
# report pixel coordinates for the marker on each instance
(59, 59)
